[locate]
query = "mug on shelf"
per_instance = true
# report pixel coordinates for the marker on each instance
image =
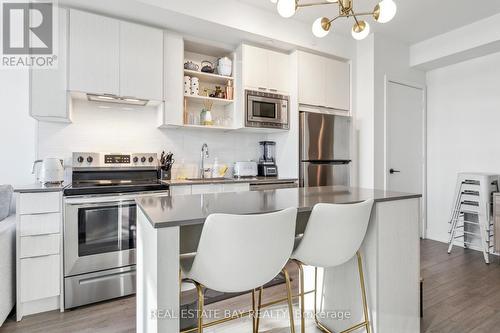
(195, 86)
(187, 85)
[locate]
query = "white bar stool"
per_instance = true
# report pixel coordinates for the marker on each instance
(333, 235)
(239, 253)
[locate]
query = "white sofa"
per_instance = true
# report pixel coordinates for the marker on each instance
(7, 264)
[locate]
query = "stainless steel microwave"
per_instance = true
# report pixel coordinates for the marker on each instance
(266, 110)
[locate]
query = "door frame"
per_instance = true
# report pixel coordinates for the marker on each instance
(423, 88)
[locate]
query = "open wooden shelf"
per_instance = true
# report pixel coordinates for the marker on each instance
(224, 128)
(209, 77)
(216, 101)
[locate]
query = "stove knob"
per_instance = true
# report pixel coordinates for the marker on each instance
(90, 159)
(80, 159)
(143, 159)
(136, 159)
(151, 159)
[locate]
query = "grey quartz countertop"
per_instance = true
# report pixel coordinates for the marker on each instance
(39, 187)
(172, 211)
(251, 180)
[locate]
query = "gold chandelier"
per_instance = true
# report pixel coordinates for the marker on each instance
(383, 12)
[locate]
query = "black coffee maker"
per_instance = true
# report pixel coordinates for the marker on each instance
(267, 161)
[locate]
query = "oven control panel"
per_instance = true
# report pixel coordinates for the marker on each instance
(117, 159)
(114, 160)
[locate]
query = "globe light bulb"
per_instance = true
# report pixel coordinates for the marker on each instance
(287, 8)
(321, 27)
(385, 11)
(361, 30)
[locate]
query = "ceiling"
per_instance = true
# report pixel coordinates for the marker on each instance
(415, 21)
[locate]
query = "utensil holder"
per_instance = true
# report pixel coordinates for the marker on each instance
(165, 174)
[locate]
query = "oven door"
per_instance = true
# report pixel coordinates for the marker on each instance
(267, 110)
(99, 235)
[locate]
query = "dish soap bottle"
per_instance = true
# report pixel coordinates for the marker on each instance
(215, 168)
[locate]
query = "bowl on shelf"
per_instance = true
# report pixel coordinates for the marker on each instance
(207, 67)
(191, 66)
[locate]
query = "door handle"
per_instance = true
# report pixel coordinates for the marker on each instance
(392, 171)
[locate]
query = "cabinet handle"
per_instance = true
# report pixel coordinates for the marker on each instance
(261, 88)
(40, 256)
(273, 90)
(43, 234)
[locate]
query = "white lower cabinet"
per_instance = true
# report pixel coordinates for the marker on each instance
(38, 252)
(180, 190)
(40, 245)
(40, 278)
(206, 188)
(39, 224)
(236, 187)
(209, 188)
(38, 203)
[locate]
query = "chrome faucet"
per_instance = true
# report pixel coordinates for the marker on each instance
(204, 154)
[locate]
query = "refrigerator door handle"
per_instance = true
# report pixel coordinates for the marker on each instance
(337, 162)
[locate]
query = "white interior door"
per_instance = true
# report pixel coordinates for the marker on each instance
(405, 140)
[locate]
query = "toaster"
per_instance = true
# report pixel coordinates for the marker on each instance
(245, 169)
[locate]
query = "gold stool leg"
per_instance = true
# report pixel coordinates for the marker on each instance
(201, 301)
(302, 296)
(289, 294)
(318, 324)
(363, 291)
(259, 305)
(253, 312)
(366, 322)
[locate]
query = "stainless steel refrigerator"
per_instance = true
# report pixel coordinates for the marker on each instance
(324, 149)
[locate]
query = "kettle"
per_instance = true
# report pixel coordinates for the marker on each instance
(50, 172)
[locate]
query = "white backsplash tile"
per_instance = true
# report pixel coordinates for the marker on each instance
(115, 129)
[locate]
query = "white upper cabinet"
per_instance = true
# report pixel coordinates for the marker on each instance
(93, 53)
(171, 110)
(141, 61)
(49, 100)
(265, 70)
(109, 56)
(338, 85)
(323, 81)
(311, 78)
(255, 67)
(278, 72)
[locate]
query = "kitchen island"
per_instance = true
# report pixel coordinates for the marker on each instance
(169, 226)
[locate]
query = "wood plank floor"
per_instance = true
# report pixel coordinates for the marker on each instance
(461, 295)
(461, 292)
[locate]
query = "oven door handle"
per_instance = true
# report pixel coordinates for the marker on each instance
(102, 204)
(80, 200)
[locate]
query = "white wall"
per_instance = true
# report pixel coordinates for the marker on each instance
(120, 130)
(17, 128)
(392, 60)
(463, 126)
(377, 58)
(364, 111)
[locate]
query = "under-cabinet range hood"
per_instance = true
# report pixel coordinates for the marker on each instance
(109, 98)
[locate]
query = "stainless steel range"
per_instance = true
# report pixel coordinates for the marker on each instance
(100, 223)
